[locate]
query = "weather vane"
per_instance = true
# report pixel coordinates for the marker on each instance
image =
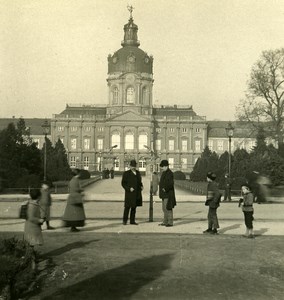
(130, 8)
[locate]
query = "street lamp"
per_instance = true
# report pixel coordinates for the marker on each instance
(230, 133)
(45, 126)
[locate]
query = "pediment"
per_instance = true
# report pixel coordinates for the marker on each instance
(130, 116)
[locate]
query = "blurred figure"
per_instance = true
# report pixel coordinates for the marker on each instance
(32, 231)
(107, 173)
(155, 183)
(45, 204)
(246, 202)
(213, 201)
(167, 193)
(111, 173)
(133, 186)
(74, 214)
(227, 195)
(263, 188)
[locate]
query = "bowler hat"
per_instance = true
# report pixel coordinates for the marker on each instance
(133, 163)
(211, 175)
(164, 163)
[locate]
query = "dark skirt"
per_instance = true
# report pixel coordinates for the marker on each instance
(80, 223)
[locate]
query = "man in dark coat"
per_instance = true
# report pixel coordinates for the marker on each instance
(167, 193)
(133, 186)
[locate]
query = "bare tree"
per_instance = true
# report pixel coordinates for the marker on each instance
(264, 101)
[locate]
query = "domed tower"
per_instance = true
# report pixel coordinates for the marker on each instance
(130, 75)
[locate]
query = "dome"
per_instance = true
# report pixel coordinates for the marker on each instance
(130, 59)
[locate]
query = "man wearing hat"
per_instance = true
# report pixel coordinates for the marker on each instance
(212, 200)
(167, 193)
(133, 186)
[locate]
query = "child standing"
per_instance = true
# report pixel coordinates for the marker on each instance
(247, 207)
(33, 234)
(45, 203)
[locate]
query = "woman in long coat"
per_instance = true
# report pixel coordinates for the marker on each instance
(74, 214)
(32, 232)
(133, 186)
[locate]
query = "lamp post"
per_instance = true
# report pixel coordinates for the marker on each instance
(151, 208)
(230, 133)
(45, 126)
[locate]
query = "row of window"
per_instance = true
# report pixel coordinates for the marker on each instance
(219, 145)
(75, 162)
(130, 96)
(129, 143)
(101, 129)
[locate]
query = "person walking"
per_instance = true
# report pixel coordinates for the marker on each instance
(32, 230)
(167, 193)
(74, 214)
(213, 201)
(45, 204)
(246, 202)
(111, 173)
(133, 186)
(227, 195)
(155, 183)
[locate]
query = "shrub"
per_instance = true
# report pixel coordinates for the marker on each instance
(26, 181)
(179, 175)
(17, 261)
(84, 174)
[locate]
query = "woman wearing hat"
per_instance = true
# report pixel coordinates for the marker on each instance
(133, 186)
(212, 200)
(167, 193)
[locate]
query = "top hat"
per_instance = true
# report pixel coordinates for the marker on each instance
(164, 163)
(133, 163)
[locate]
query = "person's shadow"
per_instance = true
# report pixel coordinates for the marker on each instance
(234, 226)
(118, 283)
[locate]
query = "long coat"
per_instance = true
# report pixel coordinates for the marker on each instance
(129, 179)
(45, 203)
(167, 189)
(33, 233)
(213, 195)
(74, 210)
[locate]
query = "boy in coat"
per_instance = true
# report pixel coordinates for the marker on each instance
(133, 186)
(167, 193)
(45, 203)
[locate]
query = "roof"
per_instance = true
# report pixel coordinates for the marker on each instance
(34, 124)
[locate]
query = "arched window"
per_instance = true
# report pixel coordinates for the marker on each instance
(115, 96)
(130, 96)
(129, 141)
(142, 140)
(115, 140)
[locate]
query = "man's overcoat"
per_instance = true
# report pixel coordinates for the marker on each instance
(129, 179)
(166, 188)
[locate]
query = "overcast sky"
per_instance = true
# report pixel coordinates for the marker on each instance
(54, 52)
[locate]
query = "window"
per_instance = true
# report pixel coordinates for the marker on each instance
(171, 145)
(130, 95)
(100, 144)
(73, 161)
(197, 130)
(210, 145)
(197, 145)
(184, 145)
(87, 143)
(115, 140)
(144, 96)
(129, 141)
(171, 162)
(86, 163)
(100, 129)
(88, 128)
(142, 140)
(115, 96)
(73, 143)
(220, 145)
(37, 142)
(73, 128)
(142, 164)
(60, 128)
(184, 130)
(184, 163)
(172, 129)
(116, 164)
(158, 145)
(158, 129)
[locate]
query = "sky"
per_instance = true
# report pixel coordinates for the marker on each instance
(54, 52)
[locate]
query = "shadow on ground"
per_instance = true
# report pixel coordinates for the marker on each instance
(123, 282)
